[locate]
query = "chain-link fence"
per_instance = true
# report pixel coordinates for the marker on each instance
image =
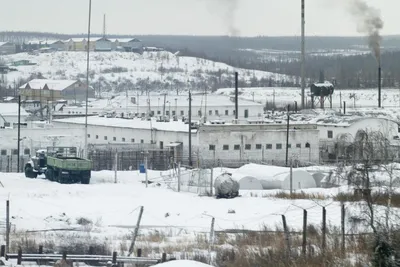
(9, 163)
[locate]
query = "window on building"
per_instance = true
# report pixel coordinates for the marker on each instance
(123, 139)
(88, 136)
(210, 112)
(173, 113)
(27, 151)
(141, 141)
(97, 137)
(199, 113)
(308, 145)
(133, 140)
(182, 112)
(226, 112)
(278, 146)
(269, 146)
(161, 145)
(158, 112)
(298, 145)
(167, 112)
(247, 146)
(330, 134)
(236, 147)
(246, 113)
(216, 112)
(225, 147)
(114, 138)
(211, 147)
(105, 137)
(14, 151)
(258, 146)
(234, 112)
(289, 145)
(4, 152)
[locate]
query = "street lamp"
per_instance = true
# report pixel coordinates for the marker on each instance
(87, 80)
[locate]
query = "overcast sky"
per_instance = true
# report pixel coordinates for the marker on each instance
(194, 17)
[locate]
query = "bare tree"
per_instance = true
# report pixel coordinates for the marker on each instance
(373, 175)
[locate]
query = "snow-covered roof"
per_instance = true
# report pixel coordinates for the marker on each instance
(124, 40)
(57, 85)
(324, 84)
(173, 126)
(11, 109)
(3, 43)
(210, 101)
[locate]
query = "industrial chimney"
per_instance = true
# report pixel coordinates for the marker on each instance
(236, 95)
(379, 85)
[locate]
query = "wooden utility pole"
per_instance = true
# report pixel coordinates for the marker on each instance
(287, 135)
(179, 176)
(212, 181)
(145, 169)
(190, 129)
(136, 231)
(19, 132)
(116, 167)
(7, 226)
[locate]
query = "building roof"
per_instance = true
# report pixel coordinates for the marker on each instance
(4, 43)
(11, 109)
(173, 126)
(56, 85)
(211, 101)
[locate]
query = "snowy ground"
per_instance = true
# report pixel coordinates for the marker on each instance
(38, 204)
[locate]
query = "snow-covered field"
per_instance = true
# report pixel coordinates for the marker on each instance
(37, 204)
(119, 66)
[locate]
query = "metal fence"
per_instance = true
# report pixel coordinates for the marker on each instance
(130, 160)
(9, 163)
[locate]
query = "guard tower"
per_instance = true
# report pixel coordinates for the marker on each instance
(321, 93)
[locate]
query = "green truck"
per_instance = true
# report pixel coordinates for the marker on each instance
(61, 164)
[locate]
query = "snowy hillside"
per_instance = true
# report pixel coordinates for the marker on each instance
(116, 69)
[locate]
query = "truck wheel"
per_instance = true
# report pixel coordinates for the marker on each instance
(85, 180)
(49, 175)
(29, 173)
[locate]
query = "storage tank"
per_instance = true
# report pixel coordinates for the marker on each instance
(226, 187)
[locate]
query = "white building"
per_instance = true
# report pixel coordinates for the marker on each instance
(347, 129)
(9, 114)
(229, 144)
(209, 107)
(7, 48)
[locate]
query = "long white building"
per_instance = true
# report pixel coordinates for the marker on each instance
(228, 144)
(210, 107)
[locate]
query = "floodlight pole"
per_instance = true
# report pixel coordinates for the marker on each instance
(87, 80)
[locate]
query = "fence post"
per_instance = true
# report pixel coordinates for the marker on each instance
(64, 256)
(114, 258)
(19, 259)
(164, 257)
(304, 232)
(285, 229)
(116, 167)
(323, 229)
(139, 252)
(40, 249)
(343, 229)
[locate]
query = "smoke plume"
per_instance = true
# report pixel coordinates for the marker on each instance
(226, 10)
(369, 22)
